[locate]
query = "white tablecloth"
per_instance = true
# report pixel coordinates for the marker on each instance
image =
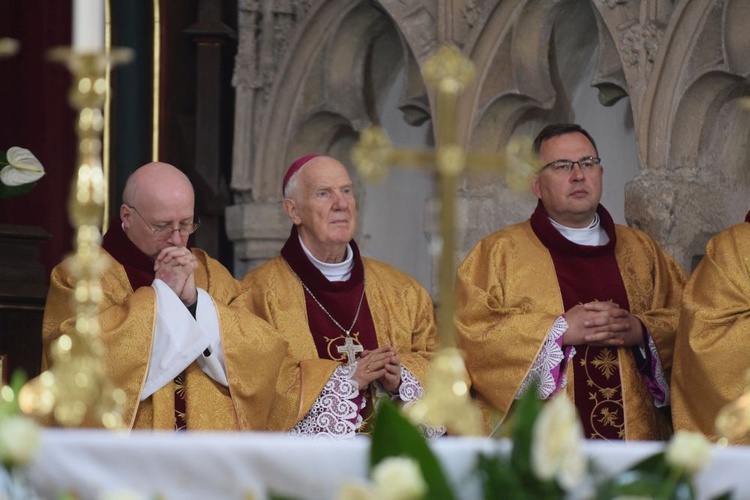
(229, 466)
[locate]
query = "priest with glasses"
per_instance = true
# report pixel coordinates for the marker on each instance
(570, 301)
(185, 355)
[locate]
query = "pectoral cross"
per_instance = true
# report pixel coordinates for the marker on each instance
(446, 400)
(350, 349)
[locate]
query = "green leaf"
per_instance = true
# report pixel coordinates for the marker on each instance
(498, 480)
(525, 414)
(393, 436)
(9, 394)
(12, 191)
(727, 495)
(655, 464)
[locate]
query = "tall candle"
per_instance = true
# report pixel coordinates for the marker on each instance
(88, 25)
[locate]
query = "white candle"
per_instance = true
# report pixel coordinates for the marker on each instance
(88, 25)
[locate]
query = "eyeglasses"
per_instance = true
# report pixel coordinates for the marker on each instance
(586, 164)
(164, 231)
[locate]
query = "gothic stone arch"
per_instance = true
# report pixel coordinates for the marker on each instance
(301, 85)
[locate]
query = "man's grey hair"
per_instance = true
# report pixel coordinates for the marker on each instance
(290, 190)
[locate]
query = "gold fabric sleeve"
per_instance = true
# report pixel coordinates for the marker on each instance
(508, 298)
(711, 350)
(402, 313)
(126, 320)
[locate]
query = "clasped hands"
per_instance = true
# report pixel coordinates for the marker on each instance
(382, 364)
(602, 324)
(176, 267)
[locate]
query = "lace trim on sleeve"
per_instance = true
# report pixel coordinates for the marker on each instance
(336, 412)
(410, 389)
(660, 400)
(547, 362)
(409, 392)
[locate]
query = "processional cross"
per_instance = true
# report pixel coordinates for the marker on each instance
(446, 401)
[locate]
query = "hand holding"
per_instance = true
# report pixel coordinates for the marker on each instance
(371, 366)
(392, 378)
(176, 266)
(612, 326)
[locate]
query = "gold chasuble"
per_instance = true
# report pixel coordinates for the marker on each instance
(514, 285)
(252, 352)
(394, 310)
(712, 350)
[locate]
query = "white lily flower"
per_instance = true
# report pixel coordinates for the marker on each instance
(688, 451)
(20, 437)
(399, 478)
(23, 168)
(556, 449)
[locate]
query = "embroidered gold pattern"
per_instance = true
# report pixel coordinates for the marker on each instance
(607, 411)
(606, 362)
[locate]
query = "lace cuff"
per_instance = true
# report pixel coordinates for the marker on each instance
(657, 381)
(337, 411)
(409, 392)
(547, 370)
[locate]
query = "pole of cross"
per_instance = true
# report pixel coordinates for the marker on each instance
(446, 401)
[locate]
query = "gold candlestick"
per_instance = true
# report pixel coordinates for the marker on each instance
(446, 401)
(76, 386)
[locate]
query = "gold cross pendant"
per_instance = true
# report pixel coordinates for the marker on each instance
(350, 349)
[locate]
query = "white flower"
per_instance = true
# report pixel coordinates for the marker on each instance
(688, 451)
(23, 168)
(556, 448)
(399, 478)
(19, 439)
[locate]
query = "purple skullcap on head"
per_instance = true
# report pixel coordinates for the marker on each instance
(294, 167)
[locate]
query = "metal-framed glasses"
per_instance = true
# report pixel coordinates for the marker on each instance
(586, 164)
(164, 231)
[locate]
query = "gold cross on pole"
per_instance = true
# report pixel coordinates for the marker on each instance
(446, 401)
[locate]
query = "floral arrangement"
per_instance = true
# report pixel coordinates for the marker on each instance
(20, 438)
(19, 172)
(546, 462)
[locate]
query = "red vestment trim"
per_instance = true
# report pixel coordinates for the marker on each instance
(585, 274)
(340, 298)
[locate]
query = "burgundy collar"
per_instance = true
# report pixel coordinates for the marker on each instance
(138, 265)
(311, 275)
(553, 239)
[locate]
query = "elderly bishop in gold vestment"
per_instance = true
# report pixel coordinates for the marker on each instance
(186, 357)
(712, 350)
(358, 330)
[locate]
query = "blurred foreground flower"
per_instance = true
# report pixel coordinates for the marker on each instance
(688, 452)
(666, 475)
(20, 438)
(556, 450)
(20, 172)
(399, 478)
